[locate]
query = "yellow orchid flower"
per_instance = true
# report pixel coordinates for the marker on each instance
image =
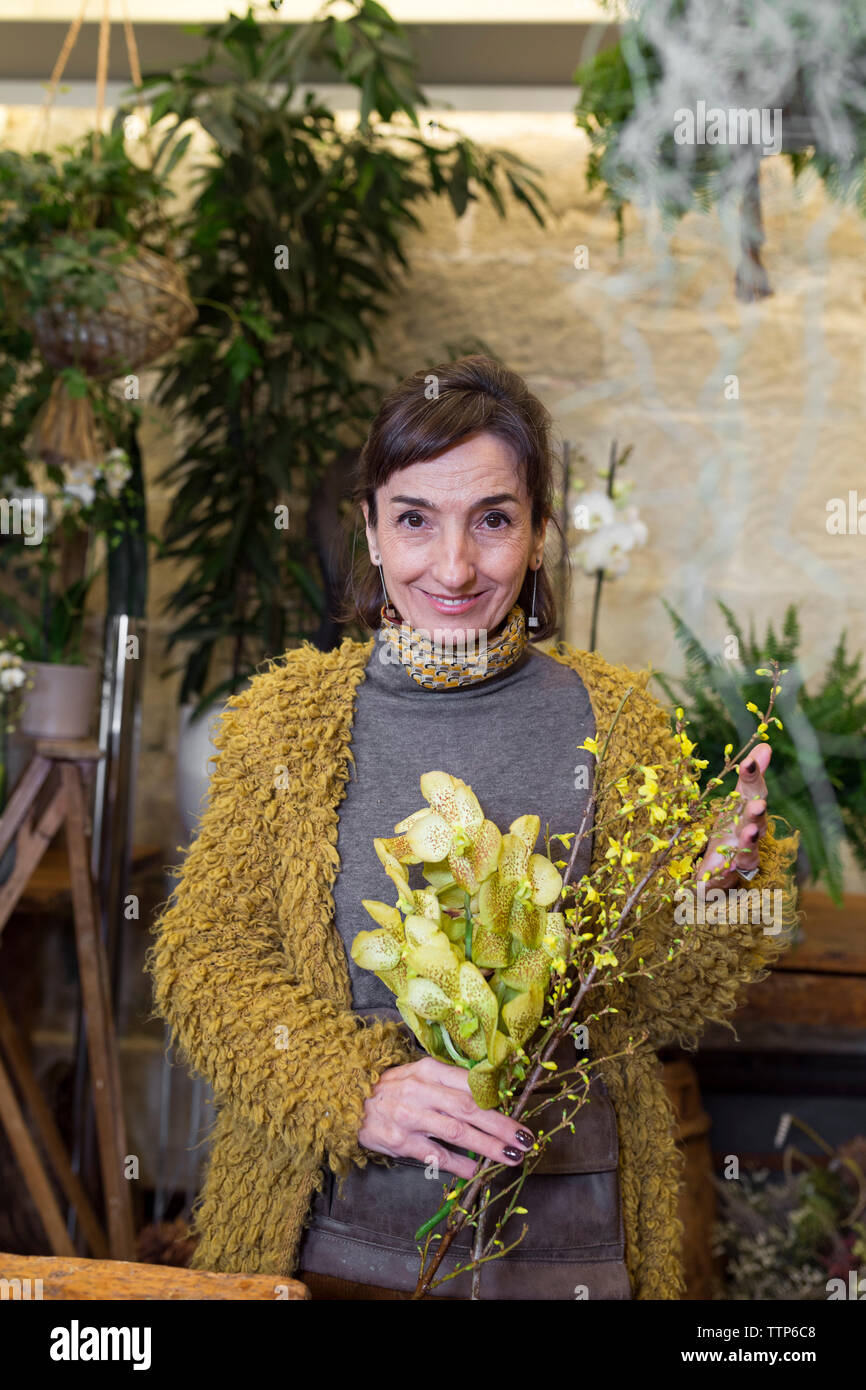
(486, 907)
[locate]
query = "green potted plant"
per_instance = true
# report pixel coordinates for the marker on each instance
(294, 237)
(85, 281)
(88, 292)
(48, 568)
(817, 778)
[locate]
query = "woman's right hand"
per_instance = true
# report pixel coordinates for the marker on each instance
(413, 1105)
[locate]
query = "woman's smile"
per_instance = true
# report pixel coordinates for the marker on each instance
(443, 603)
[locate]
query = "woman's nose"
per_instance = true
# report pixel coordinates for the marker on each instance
(454, 566)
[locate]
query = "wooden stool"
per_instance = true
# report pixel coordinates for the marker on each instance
(64, 764)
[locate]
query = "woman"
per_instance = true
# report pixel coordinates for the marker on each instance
(315, 1076)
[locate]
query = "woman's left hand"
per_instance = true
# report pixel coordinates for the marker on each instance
(753, 824)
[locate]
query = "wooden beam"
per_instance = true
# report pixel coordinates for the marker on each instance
(123, 1280)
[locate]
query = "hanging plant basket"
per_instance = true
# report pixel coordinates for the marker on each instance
(144, 317)
(64, 430)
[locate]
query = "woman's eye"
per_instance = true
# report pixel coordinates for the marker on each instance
(414, 521)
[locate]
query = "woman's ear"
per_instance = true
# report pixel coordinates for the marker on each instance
(372, 545)
(538, 554)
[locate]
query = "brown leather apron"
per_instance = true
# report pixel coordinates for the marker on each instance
(574, 1246)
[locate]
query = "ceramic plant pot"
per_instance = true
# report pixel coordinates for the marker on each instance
(62, 701)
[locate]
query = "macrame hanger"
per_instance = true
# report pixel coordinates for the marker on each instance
(57, 72)
(69, 43)
(101, 73)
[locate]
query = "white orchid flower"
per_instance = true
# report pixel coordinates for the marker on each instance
(594, 509)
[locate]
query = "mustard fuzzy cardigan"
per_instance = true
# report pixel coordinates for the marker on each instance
(251, 974)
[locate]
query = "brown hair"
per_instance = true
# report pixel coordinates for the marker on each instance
(474, 393)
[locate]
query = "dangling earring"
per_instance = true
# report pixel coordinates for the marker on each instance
(392, 612)
(533, 621)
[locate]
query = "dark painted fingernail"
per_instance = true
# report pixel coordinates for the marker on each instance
(753, 834)
(750, 767)
(511, 1152)
(525, 1139)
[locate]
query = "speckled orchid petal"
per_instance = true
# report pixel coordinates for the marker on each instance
(500, 1048)
(472, 1045)
(395, 979)
(454, 928)
(530, 968)
(431, 955)
(427, 905)
(523, 922)
(494, 904)
(453, 897)
(393, 868)
(477, 995)
(463, 872)
(513, 859)
(427, 1035)
(522, 1014)
(484, 1085)
(387, 917)
(533, 924)
(454, 800)
(439, 876)
(427, 1000)
(526, 828)
(402, 826)
(475, 1045)
(490, 949)
(376, 950)
(546, 880)
(484, 855)
(401, 848)
(420, 931)
(430, 838)
(554, 939)
(469, 813)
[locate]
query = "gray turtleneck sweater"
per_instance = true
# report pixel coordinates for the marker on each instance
(515, 738)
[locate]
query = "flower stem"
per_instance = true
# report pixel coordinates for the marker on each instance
(445, 1209)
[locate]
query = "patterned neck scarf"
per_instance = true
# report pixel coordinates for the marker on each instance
(445, 665)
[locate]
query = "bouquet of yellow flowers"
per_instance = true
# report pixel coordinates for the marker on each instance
(493, 961)
(486, 910)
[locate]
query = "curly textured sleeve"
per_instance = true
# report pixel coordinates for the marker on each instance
(735, 943)
(282, 1054)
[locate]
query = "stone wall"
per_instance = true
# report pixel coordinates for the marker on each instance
(732, 479)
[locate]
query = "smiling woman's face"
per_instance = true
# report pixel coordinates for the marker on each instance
(455, 537)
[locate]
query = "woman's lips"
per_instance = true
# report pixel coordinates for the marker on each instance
(445, 606)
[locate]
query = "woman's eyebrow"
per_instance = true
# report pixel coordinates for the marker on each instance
(493, 501)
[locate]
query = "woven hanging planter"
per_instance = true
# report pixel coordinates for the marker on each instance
(145, 314)
(64, 431)
(144, 317)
